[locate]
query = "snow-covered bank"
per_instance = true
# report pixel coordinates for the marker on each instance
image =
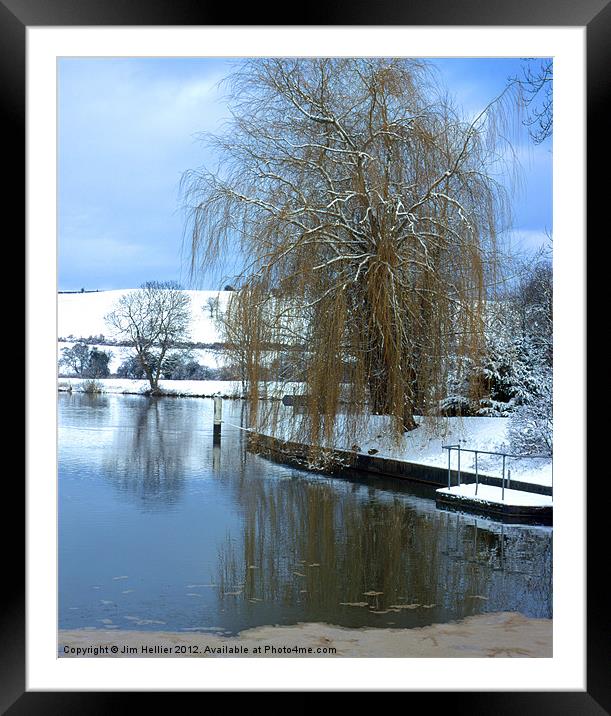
(187, 388)
(424, 446)
(180, 388)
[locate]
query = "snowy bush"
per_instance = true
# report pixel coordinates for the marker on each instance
(531, 424)
(455, 405)
(83, 362)
(185, 367)
(98, 364)
(91, 386)
(179, 366)
(489, 408)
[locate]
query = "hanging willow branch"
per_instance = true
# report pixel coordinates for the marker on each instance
(367, 212)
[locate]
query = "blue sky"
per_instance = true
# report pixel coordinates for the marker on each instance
(128, 130)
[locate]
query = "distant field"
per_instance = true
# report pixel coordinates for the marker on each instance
(81, 315)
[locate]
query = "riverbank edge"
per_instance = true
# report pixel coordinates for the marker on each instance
(62, 388)
(494, 634)
(298, 455)
(344, 462)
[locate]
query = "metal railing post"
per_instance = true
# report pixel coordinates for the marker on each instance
(506, 474)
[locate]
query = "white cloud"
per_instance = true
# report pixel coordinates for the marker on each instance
(527, 240)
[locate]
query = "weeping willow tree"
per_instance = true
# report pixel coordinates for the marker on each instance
(366, 210)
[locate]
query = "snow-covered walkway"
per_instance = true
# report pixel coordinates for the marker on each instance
(491, 494)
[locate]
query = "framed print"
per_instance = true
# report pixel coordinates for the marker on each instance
(158, 516)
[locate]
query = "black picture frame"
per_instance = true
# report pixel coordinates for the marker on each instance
(17, 15)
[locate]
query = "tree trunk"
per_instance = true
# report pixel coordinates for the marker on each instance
(409, 422)
(380, 399)
(377, 373)
(152, 379)
(412, 400)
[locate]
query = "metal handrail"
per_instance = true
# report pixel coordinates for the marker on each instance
(504, 455)
(488, 452)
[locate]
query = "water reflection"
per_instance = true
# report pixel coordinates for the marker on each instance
(160, 529)
(148, 460)
(360, 551)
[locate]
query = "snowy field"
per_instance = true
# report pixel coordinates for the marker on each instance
(80, 315)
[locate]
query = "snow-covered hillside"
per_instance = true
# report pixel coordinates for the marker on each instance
(80, 315)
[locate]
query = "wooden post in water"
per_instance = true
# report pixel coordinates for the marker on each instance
(218, 416)
(216, 457)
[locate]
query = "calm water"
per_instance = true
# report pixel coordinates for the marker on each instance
(157, 530)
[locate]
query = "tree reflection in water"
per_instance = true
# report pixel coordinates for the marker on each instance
(148, 457)
(318, 543)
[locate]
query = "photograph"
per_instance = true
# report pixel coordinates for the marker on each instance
(305, 330)
(305, 357)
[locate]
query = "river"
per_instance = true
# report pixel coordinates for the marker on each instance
(159, 531)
